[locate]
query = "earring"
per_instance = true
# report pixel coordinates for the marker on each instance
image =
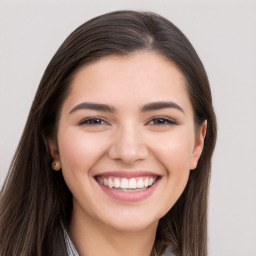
(56, 165)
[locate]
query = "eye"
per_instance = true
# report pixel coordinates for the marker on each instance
(162, 121)
(94, 121)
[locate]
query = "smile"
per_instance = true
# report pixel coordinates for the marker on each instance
(127, 184)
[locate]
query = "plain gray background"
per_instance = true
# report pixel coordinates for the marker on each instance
(224, 35)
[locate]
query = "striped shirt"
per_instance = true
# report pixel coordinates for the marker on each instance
(69, 245)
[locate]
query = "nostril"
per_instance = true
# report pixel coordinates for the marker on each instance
(128, 153)
(128, 145)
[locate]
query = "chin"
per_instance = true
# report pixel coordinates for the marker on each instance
(131, 221)
(133, 226)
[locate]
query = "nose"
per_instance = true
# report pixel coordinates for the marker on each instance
(128, 145)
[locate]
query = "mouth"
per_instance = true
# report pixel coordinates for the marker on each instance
(127, 184)
(129, 187)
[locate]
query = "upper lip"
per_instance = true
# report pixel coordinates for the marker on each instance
(127, 174)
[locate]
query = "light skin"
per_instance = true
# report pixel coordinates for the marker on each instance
(146, 124)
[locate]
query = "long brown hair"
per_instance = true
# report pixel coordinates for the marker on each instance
(35, 200)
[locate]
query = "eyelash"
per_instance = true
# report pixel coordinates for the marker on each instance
(88, 121)
(159, 121)
(162, 121)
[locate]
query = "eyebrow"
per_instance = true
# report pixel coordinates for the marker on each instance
(160, 105)
(111, 109)
(94, 106)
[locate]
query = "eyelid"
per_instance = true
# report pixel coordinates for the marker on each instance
(82, 122)
(169, 121)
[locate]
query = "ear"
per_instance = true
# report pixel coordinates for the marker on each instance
(199, 145)
(53, 147)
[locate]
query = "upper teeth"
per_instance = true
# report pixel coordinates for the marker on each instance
(124, 183)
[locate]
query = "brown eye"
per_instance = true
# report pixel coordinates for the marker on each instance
(92, 121)
(162, 121)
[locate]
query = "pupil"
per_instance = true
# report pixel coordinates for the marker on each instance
(159, 121)
(96, 120)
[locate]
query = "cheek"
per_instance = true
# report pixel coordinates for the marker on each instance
(78, 152)
(175, 156)
(175, 153)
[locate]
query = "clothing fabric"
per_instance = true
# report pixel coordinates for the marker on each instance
(69, 244)
(73, 252)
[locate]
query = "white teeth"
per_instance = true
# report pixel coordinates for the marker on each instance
(140, 183)
(124, 183)
(146, 183)
(110, 183)
(132, 184)
(116, 183)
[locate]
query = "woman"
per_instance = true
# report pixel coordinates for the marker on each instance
(116, 153)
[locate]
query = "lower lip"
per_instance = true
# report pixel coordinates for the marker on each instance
(129, 196)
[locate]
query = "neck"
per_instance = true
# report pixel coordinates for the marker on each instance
(95, 238)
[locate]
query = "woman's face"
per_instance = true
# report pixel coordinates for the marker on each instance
(127, 140)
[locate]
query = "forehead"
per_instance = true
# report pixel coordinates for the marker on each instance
(143, 76)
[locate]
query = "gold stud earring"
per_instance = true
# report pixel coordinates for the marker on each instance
(56, 165)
